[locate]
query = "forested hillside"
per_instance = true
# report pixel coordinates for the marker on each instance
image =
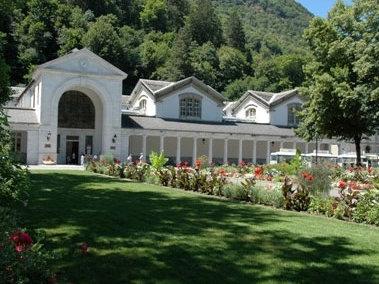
(232, 45)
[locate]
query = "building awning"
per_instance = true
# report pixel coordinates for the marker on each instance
(225, 127)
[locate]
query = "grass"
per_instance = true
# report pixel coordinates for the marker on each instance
(145, 233)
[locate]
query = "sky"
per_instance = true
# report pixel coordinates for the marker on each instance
(319, 7)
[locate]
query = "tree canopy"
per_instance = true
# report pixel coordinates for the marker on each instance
(342, 85)
(221, 42)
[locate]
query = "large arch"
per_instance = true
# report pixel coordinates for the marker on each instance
(79, 139)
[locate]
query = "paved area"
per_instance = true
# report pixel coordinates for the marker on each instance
(56, 167)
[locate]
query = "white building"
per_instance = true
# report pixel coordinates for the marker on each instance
(74, 105)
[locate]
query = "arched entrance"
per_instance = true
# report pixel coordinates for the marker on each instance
(79, 126)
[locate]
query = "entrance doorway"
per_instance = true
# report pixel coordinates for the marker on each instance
(72, 150)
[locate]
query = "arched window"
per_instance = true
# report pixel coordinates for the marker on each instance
(190, 108)
(251, 114)
(76, 110)
(142, 104)
(293, 119)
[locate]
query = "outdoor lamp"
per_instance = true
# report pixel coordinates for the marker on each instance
(114, 138)
(48, 136)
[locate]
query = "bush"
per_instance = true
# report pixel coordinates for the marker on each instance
(367, 209)
(296, 195)
(23, 259)
(322, 205)
(261, 195)
(321, 181)
(158, 160)
(14, 183)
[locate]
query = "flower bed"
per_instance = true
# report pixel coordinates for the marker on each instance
(308, 189)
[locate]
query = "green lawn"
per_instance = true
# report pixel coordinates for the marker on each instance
(145, 233)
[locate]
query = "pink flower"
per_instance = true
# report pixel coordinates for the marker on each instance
(341, 184)
(21, 241)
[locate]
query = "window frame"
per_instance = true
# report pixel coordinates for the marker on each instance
(249, 117)
(292, 119)
(192, 110)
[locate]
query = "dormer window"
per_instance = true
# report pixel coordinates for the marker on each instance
(190, 108)
(251, 114)
(142, 104)
(293, 119)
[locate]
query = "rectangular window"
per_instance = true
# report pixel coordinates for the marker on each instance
(89, 145)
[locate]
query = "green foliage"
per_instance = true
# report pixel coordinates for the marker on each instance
(233, 64)
(341, 87)
(154, 15)
(296, 195)
(203, 24)
(367, 210)
(158, 160)
(103, 39)
(322, 205)
(234, 33)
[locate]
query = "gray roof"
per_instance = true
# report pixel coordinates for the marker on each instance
(268, 99)
(17, 91)
(226, 127)
(155, 85)
(21, 115)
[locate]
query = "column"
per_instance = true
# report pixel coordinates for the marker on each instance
(161, 144)
(281, 144)
(294, 145)
(254, 152)
(306, 148)
(194, 148)
(126, 147)
(268, 152)
(210, 151)
(144, 137)
(240, 151)
(225, 151)
(178, 146)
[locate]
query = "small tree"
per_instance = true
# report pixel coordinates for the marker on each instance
(342, 85)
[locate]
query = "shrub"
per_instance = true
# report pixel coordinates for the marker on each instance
(296, 195)
(317, 179)
(164, 176)
(23, 260)
(322, 205)
(14, 183)
(158, 160)
(367, 209)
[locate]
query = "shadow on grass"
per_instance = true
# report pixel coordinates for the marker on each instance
(140, 234)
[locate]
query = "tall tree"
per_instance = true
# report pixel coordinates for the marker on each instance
(342, 84)
(154, 15)
(4, 73)
(103, 39)
(233, 64)
(36, 33)
(203, 24)
(204, 63)
(234, 33)
(178, 66)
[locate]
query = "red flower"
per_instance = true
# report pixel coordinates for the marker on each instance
(198, 164)
(369, 169)
(222, 172)
(341, 184)
(307, 176)
(21, 241)
(84, 248)
(258, 171)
